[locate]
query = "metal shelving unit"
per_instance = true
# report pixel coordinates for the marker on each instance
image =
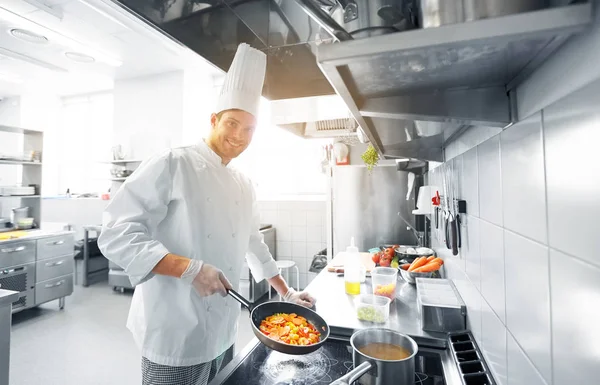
(20, 162)
(411, 91)
(30, 172)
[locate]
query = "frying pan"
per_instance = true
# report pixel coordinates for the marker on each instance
(264, 310)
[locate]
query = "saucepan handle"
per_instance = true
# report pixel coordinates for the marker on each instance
(240, 299)
(354, 374)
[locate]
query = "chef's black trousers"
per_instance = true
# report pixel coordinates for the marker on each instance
(201, 374)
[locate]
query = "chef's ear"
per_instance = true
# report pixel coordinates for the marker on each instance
(214, 120)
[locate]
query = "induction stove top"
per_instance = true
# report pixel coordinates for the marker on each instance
(264, 366)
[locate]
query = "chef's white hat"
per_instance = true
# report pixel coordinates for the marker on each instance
(244, 81)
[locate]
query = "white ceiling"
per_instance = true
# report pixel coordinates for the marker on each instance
(122, 45)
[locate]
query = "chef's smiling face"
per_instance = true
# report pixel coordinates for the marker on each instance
(231, 133)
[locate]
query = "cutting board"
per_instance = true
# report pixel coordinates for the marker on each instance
(12, 235)
(337, 263)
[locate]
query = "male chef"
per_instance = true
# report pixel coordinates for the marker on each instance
(180, 227)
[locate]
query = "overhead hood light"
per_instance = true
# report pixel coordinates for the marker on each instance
(28, 36)
(80, 57)
(58, 38)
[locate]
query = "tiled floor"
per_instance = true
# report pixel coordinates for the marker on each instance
(86, 343)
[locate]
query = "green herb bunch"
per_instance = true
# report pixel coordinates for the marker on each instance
(370, 157)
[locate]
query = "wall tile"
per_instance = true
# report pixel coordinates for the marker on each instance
(314, 218)
(299, 233)
(314, 233)
(469, 189)
(528, 298)
(284, 249)
(298, 218)
(493, 338)
(284, 218)
(490, 181)
(268, 216)
(523, 179)
(302, 281)
(299, 249)
(267, 205)
(312, 248)
(472, 299)
(471, 247)
(283, 233)
(573, 175)
(310, 277)
(301, 263)
(491, 246)
(520, 370)
(575, 303)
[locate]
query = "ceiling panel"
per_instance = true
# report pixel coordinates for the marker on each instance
(122, 45)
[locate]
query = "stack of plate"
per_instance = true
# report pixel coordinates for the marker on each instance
(17, 190)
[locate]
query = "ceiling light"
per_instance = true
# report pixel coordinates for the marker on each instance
(58, 38)
(28, 36)
(80, 57)
(17, 56)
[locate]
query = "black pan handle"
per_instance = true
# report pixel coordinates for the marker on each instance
(447, 230)
(458, 231)
(240, 299)
(454, 230)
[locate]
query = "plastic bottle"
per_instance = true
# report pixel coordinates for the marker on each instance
(352, 269)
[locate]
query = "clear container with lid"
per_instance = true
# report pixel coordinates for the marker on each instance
(384, 280)
(372, 308)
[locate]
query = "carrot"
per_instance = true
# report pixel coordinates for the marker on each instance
(430, 258)
(431, 266)
(438, 260)
(417, 263)
(405, 266)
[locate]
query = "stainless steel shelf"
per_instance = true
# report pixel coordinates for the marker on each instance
(123, 161)
(19, 130)
(454, 75)
(20, 196)
(22, 163)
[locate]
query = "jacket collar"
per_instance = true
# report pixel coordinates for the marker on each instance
(210, 155)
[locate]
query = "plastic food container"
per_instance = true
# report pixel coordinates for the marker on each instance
(384, 280)
(372, 308)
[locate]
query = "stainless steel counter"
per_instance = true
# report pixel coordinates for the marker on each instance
(7, 297)
(36, 234)
(337, 308)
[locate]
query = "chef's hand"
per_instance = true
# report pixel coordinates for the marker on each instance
(206, 279)
(299, 298)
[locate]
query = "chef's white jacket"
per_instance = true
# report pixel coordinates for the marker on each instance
(184, 201)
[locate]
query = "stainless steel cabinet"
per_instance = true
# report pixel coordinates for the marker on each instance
(41, 269)
(16, 253)
(54, 288)
(55, 246)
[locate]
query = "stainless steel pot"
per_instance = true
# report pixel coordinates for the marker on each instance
(434, 13)
(372, 371)
(364, 18)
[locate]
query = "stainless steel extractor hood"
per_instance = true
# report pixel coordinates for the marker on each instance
(410, 90)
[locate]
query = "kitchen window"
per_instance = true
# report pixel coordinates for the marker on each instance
(83, 138)
(282, 164)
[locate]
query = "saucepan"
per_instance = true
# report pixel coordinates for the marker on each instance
(264, 310)
(381, 357)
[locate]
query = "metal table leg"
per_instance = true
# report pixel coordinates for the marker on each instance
(61, 303)
(86, 258)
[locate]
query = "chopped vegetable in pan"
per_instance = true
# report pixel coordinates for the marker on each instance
(290, 328)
